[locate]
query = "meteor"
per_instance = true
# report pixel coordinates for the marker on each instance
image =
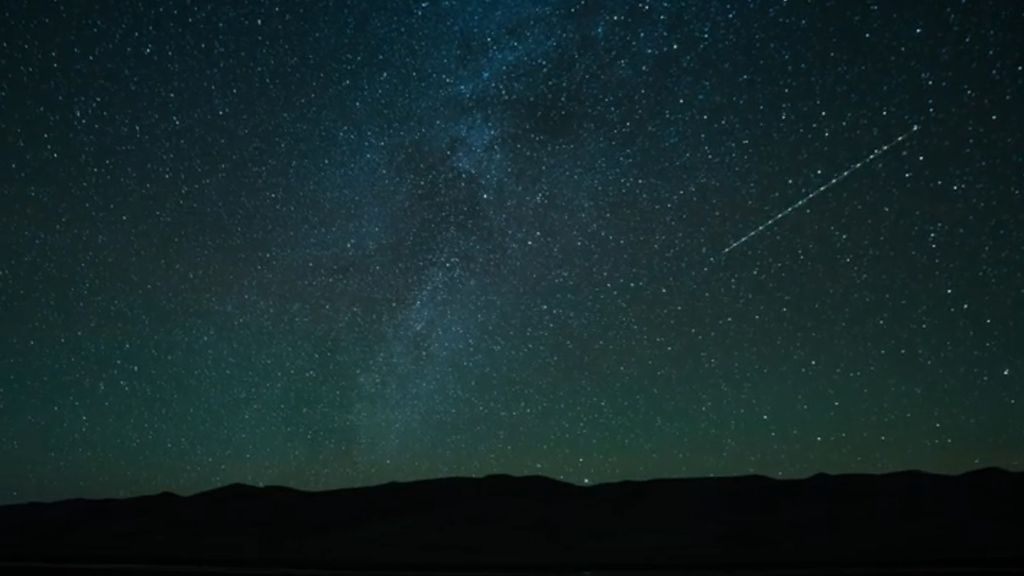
(878, 152)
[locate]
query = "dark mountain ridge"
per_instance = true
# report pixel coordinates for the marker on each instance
(504, 521)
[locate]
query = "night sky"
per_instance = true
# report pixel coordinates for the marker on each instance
(329, 244)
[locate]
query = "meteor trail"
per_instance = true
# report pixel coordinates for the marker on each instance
(878, 152)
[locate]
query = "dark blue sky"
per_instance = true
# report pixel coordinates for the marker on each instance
(337, 243)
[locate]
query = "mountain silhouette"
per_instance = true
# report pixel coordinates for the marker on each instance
(905, 518)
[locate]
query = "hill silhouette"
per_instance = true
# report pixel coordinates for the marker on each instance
(905, 518)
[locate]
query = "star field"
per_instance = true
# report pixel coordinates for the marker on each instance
(329, 244)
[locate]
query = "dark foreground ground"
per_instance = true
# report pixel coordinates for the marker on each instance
(902, 523)
(137, 570)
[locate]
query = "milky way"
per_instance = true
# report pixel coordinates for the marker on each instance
(329, 244)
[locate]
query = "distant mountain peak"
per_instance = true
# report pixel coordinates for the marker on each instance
(501, 520)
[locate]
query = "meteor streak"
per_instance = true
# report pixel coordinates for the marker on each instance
(878, 152)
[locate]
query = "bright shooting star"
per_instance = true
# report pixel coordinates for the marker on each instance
(821, 189)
